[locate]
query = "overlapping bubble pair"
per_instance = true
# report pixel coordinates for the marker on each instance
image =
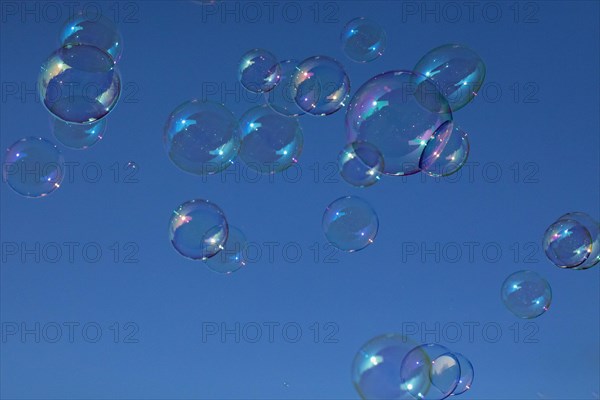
(573, 241)
(393, 367)
(79, 85)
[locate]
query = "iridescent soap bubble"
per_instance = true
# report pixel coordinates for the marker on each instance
(467, 374)
(78, 136)
(567, 243)
(526, 294)
(593, 227)
(322, 86)
(350, 223)
(398, 116)
(363, 40)
(202, 138)
(457, 70)
(98, 31)
(430, 372)
(33, 167)
(259, 71)
(271, 142)
(232, 257)
(446, 151)
(376, 368)
(360, 164)
(79, 83)
(282, 98)
(198, 229)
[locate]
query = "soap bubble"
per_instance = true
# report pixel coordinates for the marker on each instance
(446, 151)
(322, 86)
(198, 229)
(259, 71)
(457, 71)
(350, 223)
(360, 164)
(33, 167)
(271, 142)
(282, 98)
(567, 243)
(363, 40)
(376, 368)
(593, 227)
(202, 138)
(526, 294)
(430, 372)
(232, 257)
(78, 136)
(398, 117)
(99, 32)
(79, 83)
(467, 374)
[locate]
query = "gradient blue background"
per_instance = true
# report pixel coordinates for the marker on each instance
(170, 54)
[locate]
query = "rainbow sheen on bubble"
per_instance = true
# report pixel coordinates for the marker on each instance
(446, 151)
(282, 97)
(33, 167)
(458, 72)
(258, 71)
(233, 255)
(98, 31)
(198, 229)
(398, 116)
(377, 366)
(271, 142)
(567, 243)
(202, 137)
(79, 83)
(350, 223)
(526, 294)
(593, 227)
(360, 164)
(363, 40)
(322, 86)
(467, 375)
(78, 136)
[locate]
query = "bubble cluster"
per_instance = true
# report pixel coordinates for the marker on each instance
(99, 32)
(363, 40)
(446, 151)
(232, 256)
(33, 167)
(526, 294)
(79, 83)
(573, 241)
(202, 137)
(198, 229)
(350, 223)
(360, 164)
(282, 98)
(78, 136)
(259, 71)
(321, 85)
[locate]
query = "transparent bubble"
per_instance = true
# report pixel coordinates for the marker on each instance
(363, 40)
(198, 229)
(430, 372)
(33, 167)
(377, 366)
(526, 294)
(79, 83)
(567, 243)
(98, 31)
(78, 136)
(271, 142)
(457, 70)
(397, 116)
(202, 138)
(322, 86)
(360, 164)
(282, 98)
(232, 257)
(259, 71)
(593, 227)
(350, 223)
(467, 374)
(446, 151)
